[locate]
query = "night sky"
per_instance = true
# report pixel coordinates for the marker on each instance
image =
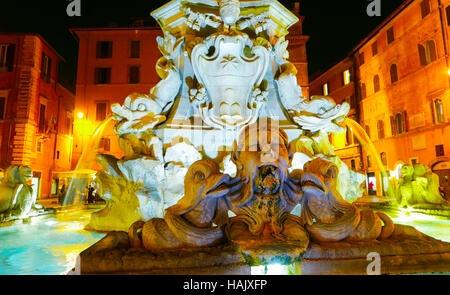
(334, 26)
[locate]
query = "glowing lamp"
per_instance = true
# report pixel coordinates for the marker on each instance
(80, 115)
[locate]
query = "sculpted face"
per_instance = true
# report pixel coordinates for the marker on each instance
(24, 174)
(264, 157)
(407, 170)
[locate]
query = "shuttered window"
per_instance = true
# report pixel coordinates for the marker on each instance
(425, 8)
(394, 73)
(101, 111)
(376, 83)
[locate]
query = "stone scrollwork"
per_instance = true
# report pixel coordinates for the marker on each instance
(231, 70)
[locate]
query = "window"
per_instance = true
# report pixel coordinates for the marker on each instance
(353, 164)
(346, 77)
(104, 49)
(447, 10)
(427, 53)
(374, 48)
(105, 144)
(438, 111)
(422, 55)
(439, 150)
(390, 35)
(100, 111)
(46, 68)
(430, 50)
(399, 123)
(325, 89)
(425, 8)
(363, 90)
(69, 125)
(6, 57)
(394, 73)
(42, 111)
(376, 83)
(380, 127)
(2, 107)
(133, 74)
(135, 49)
(38, 146)
(361, 58)
(102, 75)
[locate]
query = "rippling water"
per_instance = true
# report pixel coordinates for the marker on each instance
(46, 246)
(49, 245)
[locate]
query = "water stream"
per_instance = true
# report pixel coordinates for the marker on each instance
(367, 144)
(79, 181)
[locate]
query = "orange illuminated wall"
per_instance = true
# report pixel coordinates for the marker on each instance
(121, 51)
(34, 107)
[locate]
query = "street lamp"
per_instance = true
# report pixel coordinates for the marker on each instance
(80, 115)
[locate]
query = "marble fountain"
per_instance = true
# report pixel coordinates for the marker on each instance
(228, 167)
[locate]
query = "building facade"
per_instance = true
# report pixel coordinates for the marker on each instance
(339, 83)
(112, 63)
(36, 112)
(402, 91)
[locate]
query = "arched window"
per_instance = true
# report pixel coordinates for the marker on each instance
(376, 83)
(394, 73)
(427, 53)
(380, 127)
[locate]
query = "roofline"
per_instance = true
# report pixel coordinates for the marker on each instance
(40, 37)
(74, 30)
(388, 19)
(58, 84)
(335, 65)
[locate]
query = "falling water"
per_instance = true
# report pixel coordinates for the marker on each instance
(88, 156)
(367, 144)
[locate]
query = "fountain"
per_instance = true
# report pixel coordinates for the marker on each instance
(16, 196)
(227, 166)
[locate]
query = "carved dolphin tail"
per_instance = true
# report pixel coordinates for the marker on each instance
(388, 226)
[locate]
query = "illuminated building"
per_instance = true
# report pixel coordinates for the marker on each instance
(338, 83)
(35, 110)
(402, 89)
